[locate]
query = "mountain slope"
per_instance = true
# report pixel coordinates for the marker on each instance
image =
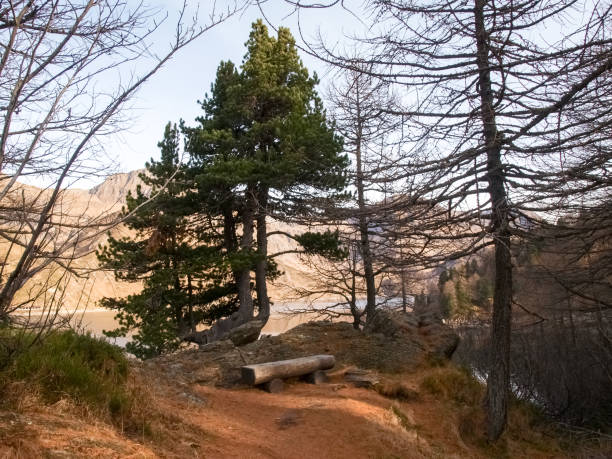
(103, 203)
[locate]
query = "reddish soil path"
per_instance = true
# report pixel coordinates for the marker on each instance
(303, 421)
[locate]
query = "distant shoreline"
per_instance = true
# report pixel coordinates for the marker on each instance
(61, 311)
(280, 308)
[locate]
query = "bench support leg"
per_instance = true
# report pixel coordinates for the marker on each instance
(274, 387)
(317, 377)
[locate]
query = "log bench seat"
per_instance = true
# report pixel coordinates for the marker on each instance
(270, 375)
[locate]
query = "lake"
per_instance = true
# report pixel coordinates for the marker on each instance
(283, 317)
(281, 320)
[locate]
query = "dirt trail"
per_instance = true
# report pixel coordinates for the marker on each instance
(334, 420)
(324, 421)
(304, 421)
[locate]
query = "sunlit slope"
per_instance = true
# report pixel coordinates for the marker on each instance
(86, 284)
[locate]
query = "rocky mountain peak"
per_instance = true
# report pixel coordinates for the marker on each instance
(116, 187)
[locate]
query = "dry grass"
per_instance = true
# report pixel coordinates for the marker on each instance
(528, 433)
(438, 409)
(151, 425)
(453, 384)
(402, 419)
(90, 382)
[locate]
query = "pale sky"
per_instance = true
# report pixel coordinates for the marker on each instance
(172, 93)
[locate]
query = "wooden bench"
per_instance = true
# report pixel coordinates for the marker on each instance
(271, 374)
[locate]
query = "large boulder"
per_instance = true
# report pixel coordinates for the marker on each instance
(246, 333)
(443, 340)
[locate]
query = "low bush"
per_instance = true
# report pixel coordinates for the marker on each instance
(402, 419)
(65, 364)
(527, 429)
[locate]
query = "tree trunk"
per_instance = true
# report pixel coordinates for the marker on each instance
(355, 312)
(192, 326)
(246, 246)
(366, 253)
(230, 240)
(221, 328)
(403, 280)
(261, 269)
(264, 372)
(229, 230)
(368, 269)
(498, 381)
(353, 305)
(571, 319)
(178, 308)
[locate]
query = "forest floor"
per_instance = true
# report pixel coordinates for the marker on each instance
(429, 410)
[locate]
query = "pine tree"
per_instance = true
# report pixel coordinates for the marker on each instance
(264, 149)
(184, 282)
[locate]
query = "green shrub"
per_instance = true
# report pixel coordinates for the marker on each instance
(12, 341)
(86, 369)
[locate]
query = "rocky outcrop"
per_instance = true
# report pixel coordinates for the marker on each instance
(393, 324)
(392, 343)
(440, 340)
(115, 188)
(443, 341)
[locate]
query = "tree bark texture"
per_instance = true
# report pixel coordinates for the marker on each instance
(264, 372)
(222, 327)
(261, 269)
(498, 381)
(246, 243)
(366, 252)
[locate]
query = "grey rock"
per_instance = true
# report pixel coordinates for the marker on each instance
(274, 387)
(246, 333)
(392, 324)
(360, 378)
(317, 377)
(441, 340)
(218, 346)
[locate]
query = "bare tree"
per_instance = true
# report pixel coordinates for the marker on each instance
(67, 71)
(359, 104)
(339, 285)
(508, 129)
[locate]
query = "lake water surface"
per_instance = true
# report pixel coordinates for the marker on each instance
(283, 317)
(97, 320)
